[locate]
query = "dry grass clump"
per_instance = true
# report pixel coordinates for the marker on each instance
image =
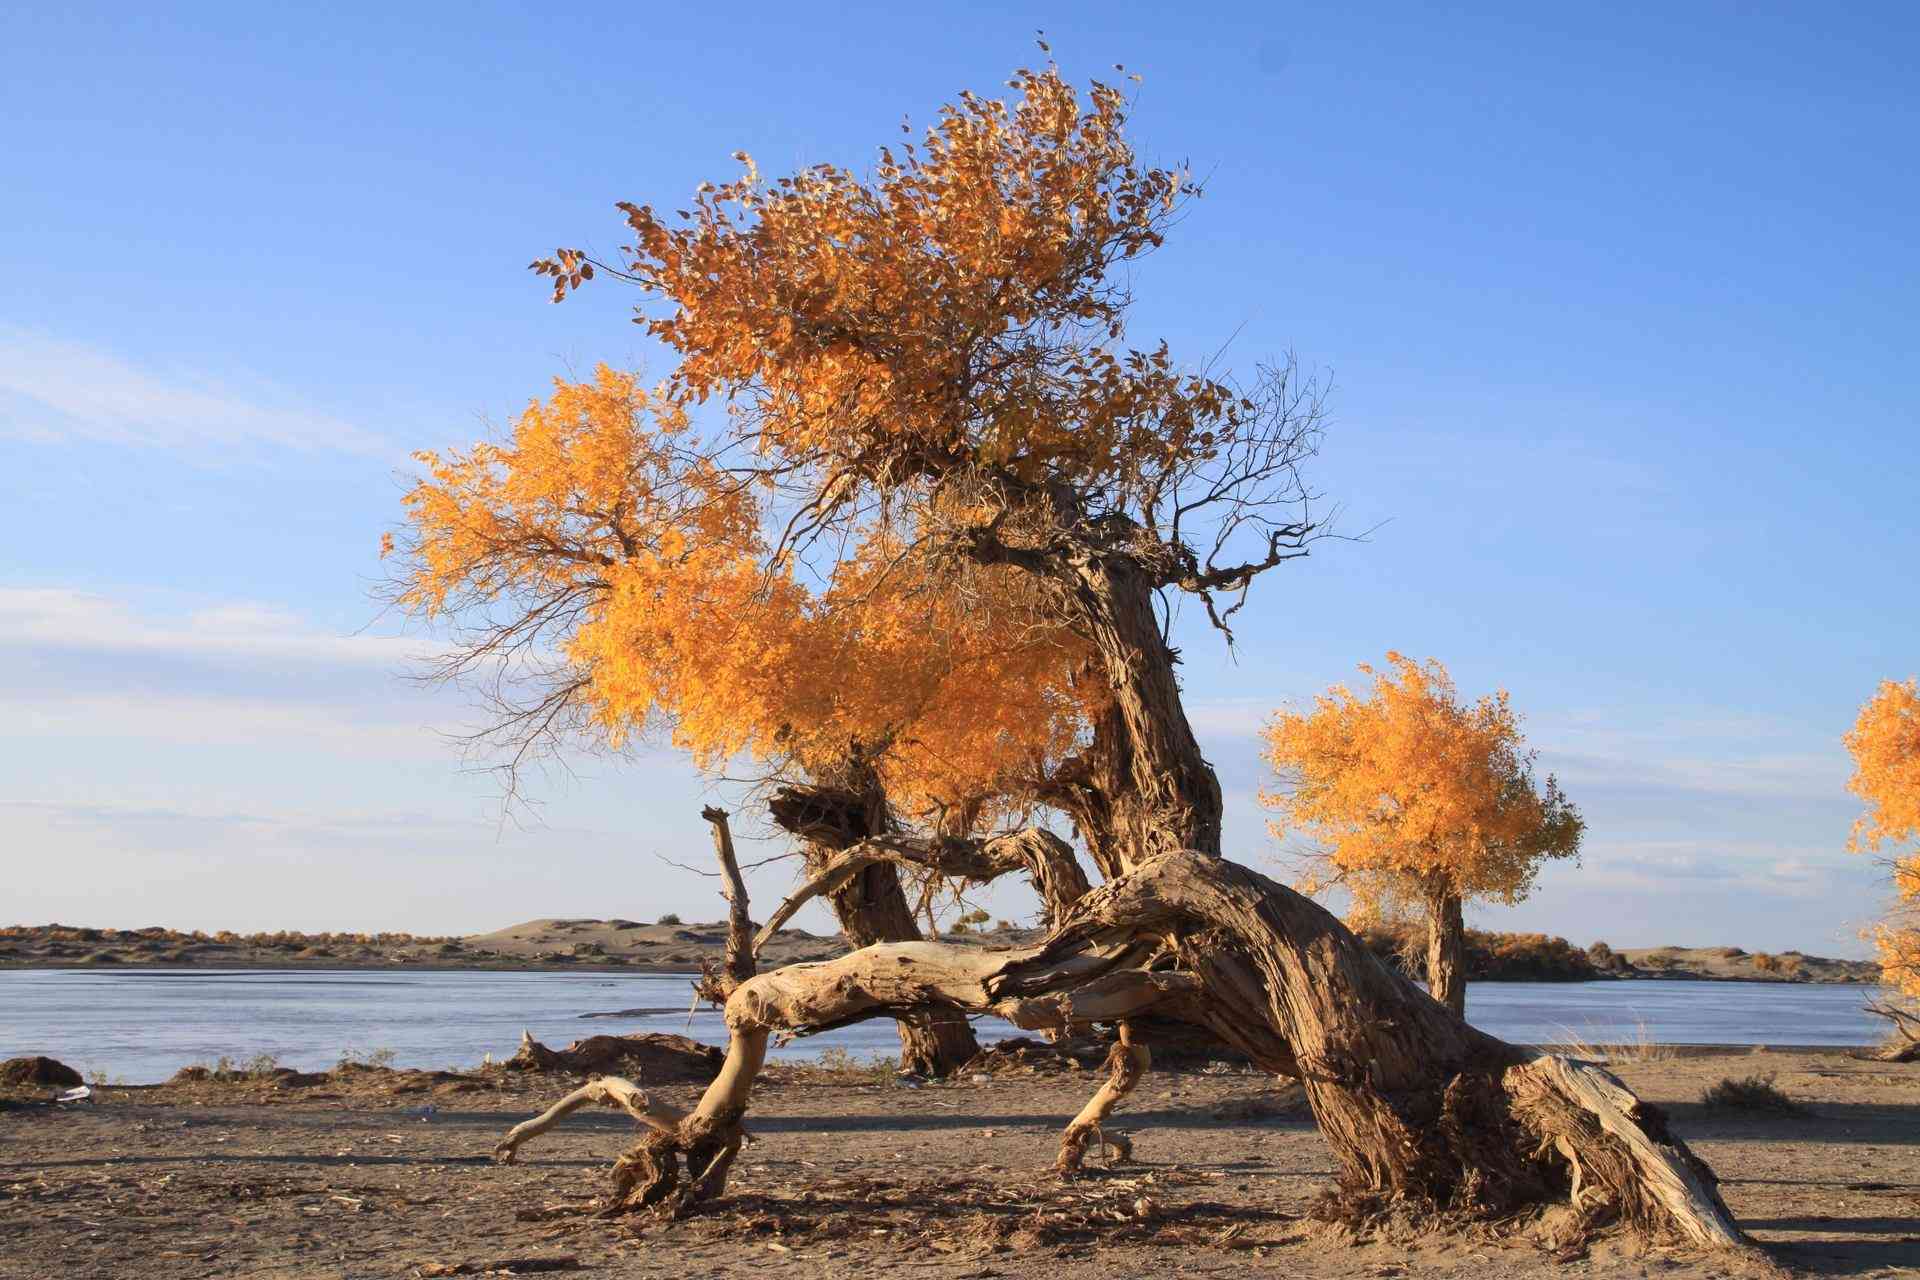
(1751, 1093)
(1642, 1048)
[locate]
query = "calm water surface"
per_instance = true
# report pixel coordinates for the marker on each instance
(141, 1026)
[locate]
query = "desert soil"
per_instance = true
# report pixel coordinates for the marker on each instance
(852, 1171)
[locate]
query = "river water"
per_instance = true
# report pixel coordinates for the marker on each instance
(140, 1026)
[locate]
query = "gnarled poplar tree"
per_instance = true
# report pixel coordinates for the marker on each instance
(940, 350)
(1885, 745)
(1417, 802)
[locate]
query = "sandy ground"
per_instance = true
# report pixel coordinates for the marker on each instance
(852, 1171)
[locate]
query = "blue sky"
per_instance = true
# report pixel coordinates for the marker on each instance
(1617, 302)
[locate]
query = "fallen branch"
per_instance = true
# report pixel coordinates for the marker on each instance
(608, 1091)
(1904, 1046)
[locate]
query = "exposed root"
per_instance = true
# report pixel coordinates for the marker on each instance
(1127, 1062)
(650, 1177)
(1620, 1157)
(1427, 1118)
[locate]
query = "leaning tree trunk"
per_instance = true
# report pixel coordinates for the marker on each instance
(1447, 953)
(871, 906)
(1425, 1116)
(1144, 787)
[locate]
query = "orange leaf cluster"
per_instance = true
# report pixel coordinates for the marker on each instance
(956, 310)
(632, 574)
(1412, 795)
(1885, 744)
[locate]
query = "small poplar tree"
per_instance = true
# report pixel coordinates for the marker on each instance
(1885, 745)
(1417, 802)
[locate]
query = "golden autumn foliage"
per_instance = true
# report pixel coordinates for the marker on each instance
(613, 577)
(1411, 795)
(955, 311)
(1885, 744)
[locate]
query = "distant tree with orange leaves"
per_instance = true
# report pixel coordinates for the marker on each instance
(1885, 744)
(1416, 801)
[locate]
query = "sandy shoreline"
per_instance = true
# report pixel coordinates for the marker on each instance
(852, 1171)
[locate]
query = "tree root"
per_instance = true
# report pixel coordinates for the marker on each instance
(1620, 1157)
(1127, 1062)
(649, 1175)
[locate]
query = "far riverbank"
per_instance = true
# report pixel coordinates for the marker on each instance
(669, 947)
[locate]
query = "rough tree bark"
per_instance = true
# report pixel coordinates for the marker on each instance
(1447, 952)
(871, 907)
(1423, 1113)
(1147, 789)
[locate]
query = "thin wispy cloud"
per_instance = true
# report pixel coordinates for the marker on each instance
(63, 619)
(55, 391)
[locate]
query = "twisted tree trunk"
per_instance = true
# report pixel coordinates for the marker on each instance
(1147, 788)
(1423, 1113)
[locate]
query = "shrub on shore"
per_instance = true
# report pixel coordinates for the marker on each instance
(1751, 1093)
(152, 937)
